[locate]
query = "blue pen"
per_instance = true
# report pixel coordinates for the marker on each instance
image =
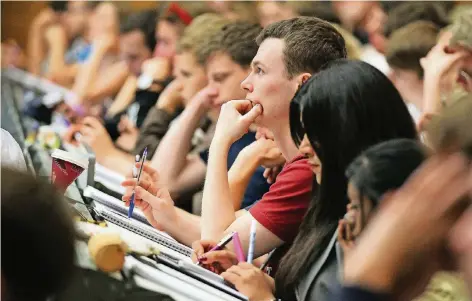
(252, 241)
(131, 203)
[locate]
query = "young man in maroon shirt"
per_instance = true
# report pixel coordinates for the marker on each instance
(289, 52)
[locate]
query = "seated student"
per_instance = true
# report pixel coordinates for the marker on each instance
(65, 19)
(171, 23)
(228, 57)
(423, 217)
(107, 66)
(137, 43)
(447, 70)
(404, 14)
(409, 12)
(66, 44)
(339, 123)
(190, 78)
(38, 248)
(379, 171)
(169, 29)
(405, 48)
(289, 52)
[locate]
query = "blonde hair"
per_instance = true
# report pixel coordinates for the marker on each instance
(201, 28)
(461, 30)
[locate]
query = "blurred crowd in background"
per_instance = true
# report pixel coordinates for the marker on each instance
(224, 110)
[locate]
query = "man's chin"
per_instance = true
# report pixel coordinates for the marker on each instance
(259, 121)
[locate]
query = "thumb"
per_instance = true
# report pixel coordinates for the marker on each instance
(251, 116)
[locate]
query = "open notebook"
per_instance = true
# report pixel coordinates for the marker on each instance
(113, 203)
(114, 211)
(165, 242)
(109, 178)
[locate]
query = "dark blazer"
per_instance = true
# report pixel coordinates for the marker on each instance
(357, 294)
(323, 279)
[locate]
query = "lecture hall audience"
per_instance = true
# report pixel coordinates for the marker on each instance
(341, 127)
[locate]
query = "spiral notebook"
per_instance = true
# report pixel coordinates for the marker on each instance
(113, 203)
(169, 244)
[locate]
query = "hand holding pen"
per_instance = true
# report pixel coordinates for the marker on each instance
(212, 255)
(131, 204)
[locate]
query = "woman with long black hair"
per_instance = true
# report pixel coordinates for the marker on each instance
(343, 110)
(337, 113)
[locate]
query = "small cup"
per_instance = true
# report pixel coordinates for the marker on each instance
(66, 168)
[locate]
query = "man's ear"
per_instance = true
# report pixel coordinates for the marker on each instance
(304, 77)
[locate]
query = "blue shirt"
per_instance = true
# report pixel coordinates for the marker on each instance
(258, 185)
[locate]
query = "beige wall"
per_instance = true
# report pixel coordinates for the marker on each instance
(16, 18)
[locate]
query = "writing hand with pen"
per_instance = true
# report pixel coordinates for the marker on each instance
(247, 278)
(153, 199)
(216, 261)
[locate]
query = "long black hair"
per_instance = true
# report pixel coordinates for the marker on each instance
(344, 109)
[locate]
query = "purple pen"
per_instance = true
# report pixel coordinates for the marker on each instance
(223, 242)
(131, 203)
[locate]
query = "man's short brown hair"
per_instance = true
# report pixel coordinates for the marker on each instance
(197, 33)
(409, 44)
(409, 12)
(237, 39)
(310, 43)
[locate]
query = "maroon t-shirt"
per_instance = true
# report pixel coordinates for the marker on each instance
(282, 208)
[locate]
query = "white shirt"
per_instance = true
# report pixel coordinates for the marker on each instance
(11, 156)
(371, 56)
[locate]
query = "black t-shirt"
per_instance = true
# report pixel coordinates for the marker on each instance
(145, 100)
